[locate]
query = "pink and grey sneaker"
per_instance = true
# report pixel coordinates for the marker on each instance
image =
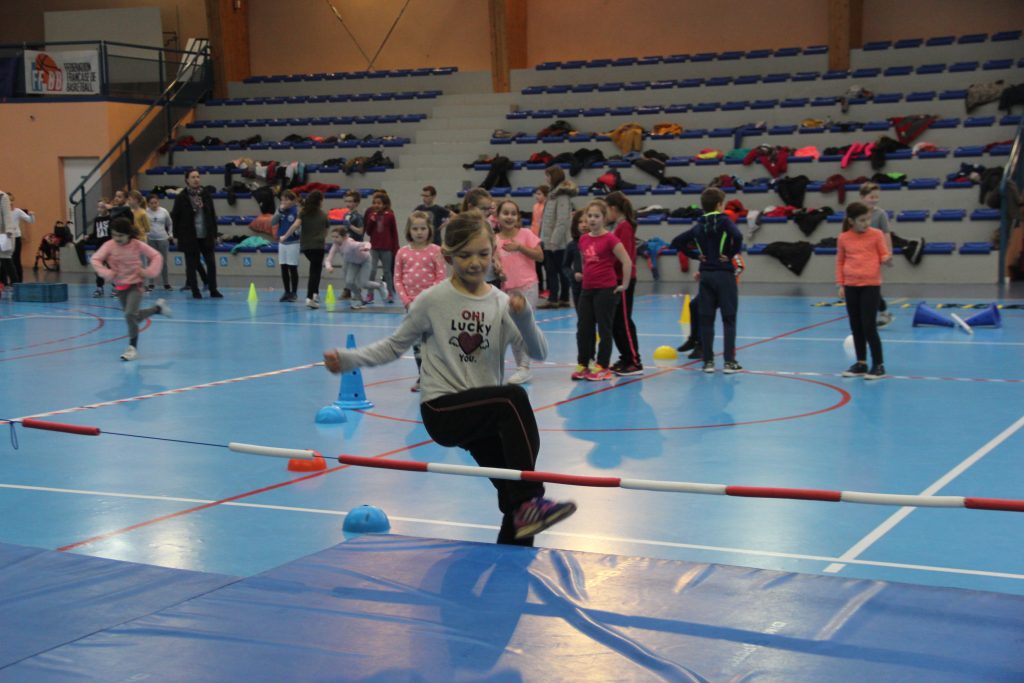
(580, 373)
(599, 374)
(536, 515)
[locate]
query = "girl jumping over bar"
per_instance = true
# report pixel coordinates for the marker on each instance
(466, 326)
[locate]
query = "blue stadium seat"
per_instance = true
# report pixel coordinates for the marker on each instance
(690, 83)
(624, 61)
(558, 89)
(805, 76)
(939, 248)
(997, 64)
(969, 151)
(622, 111)
(898, 71)
(824, 101)
(569, 113)
(971, 248)
(677, 108)
(547, 66)
(703, 57)
(776, 78)
(1006, 35)
(867, 72)
(787, 52)
(721, 132)
(793, 102)
(908, 43)
(718, 81)
(534, 90)
(815, 50)
(877, 45)
(979, 121)
(826, 251)
(877, 125)
(888, 98)
(764, 104)
(598, 63)
(930, 69)
(972, 38)
(923, 184)
(922, 96)
(940, 41)
(663, 189)
(1000, 150)
(749, 79)
(663, 84)
(648, 61)
(692, 133)
(759, 54)
(949, 215)
(1010, 120)
(952, 94)
(584, 87)
(676, 59)
(574, 64)
(959, 67)
(706, 106)
(833, 75)
(526, 191)
(912, 216)
(738, 105)
(596, 111)
(610, 87)
(730, 55)
(649, 109)
(787, 129)
(636, 85)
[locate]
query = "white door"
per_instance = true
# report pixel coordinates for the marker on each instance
(76, 168)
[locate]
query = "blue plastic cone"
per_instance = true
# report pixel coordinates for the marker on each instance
(366, 519)
(988, 316)
(352, 396)
(926, 315)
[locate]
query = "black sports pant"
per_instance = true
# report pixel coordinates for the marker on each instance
(862, 310)
(718, 291)
(316, 267)
(497, 426)
(623, 328)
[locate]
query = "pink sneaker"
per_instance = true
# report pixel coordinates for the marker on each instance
(579, 373)
(599, 374)
(536, 515)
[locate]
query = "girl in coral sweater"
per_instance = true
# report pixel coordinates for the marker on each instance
(859, 258)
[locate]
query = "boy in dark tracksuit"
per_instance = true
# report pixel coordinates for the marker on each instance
(717, 240)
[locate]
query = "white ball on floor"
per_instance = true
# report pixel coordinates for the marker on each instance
(851, 353)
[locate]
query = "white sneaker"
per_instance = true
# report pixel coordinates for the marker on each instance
(130, 354)
(312, 303)
(520, 376)
(165, 310)
(884, 318)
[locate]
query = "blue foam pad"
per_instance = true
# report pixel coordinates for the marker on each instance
(384, 608)
(53, 598)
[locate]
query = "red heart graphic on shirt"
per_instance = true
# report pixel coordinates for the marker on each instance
(469, 342)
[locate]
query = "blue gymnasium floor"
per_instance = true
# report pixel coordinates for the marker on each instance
(159, 487)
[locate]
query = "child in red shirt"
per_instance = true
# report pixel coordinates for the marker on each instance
(601, 251)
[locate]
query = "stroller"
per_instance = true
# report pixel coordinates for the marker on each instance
(48, 252)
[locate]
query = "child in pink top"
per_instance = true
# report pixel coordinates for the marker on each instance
(119, 261)
(601, 251)
(419, 266)
(519, 251)
(861, 251)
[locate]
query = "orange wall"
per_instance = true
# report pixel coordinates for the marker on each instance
(37, 136)
(304, 35)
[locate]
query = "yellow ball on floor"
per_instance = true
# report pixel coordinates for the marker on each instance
(665, 353)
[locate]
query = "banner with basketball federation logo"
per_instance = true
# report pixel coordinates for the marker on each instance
(62, 73)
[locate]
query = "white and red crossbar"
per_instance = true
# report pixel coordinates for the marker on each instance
(690, 487)
(902, 500)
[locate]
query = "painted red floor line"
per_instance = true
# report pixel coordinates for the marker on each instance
(247, 494)
(100, 322)
(204, 506)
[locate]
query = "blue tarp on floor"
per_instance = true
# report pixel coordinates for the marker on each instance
(392, 608)
(49, 598)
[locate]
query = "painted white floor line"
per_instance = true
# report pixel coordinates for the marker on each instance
(901, 514)
(563, 534)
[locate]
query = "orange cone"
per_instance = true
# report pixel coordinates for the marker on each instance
(301, 465)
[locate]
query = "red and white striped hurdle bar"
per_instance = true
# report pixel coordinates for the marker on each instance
(901, 500)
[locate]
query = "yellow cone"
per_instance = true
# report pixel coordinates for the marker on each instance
(330, 300)
(252, 293)
(684, 315)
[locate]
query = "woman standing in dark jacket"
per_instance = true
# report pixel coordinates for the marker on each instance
(195, 228)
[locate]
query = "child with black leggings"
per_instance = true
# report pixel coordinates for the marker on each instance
(861, 251)
(466, 325)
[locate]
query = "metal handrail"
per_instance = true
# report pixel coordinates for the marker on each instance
(1014, 170)
(77, 196)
